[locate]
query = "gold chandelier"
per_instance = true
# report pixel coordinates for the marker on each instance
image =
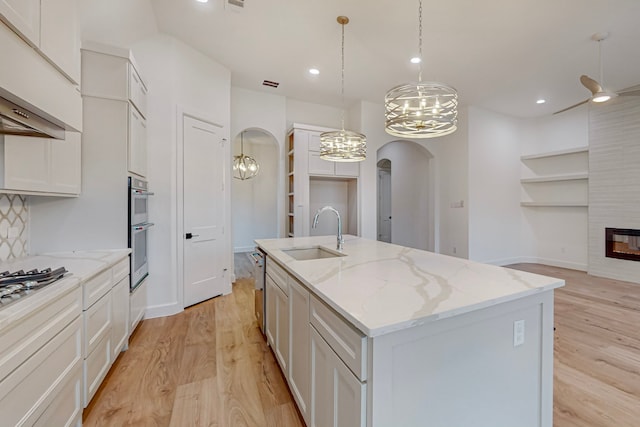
(343, 145)
(421, 109)
(244, 167)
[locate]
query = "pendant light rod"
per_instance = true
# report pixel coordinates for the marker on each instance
(342, 20)
(420, 42)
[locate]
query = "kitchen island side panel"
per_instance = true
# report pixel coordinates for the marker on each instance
(466, 371)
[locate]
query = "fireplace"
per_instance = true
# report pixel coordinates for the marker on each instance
(623, 243)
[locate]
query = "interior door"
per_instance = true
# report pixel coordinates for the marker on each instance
(384, 205)
(204, 191)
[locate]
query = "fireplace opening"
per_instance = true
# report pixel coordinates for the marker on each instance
(622, 243)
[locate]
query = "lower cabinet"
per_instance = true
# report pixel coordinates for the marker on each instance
(138, 302)
(338, 398)
(299, 360)
(119, 317)
(278, 323)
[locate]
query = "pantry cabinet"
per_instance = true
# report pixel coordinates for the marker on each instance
(42, 166)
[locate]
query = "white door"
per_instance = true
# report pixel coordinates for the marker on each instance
(384, 205)
(204, 198)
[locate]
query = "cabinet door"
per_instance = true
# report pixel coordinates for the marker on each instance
(317, 166)
(137, 305)
(137, 143)
(347, 168)
(137, 91)
(338, 399)
(282, 333)
(299, 362)
(26, 163)
(60, 36)
(119, 317)
(24, 17)
(65, 164)
(271, 314)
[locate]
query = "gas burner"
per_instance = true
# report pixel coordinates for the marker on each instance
(19, 284)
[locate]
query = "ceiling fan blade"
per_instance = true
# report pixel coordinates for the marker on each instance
(590, 84)
(573, 106)
(630, 93)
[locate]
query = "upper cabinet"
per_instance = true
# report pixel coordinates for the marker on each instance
(110, 74)
(42, 40)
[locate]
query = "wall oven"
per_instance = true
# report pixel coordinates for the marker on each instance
(138, 230)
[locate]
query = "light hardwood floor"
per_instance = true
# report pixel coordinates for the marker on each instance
(209, 366)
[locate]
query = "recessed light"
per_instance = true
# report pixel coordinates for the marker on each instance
(416, 60)
(202, 1)
(314, 71)
(541, 101)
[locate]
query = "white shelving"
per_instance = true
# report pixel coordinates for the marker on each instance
(556, 178)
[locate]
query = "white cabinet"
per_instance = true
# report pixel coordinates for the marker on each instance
(137, 147)
(138, 304)
(338, 397)
(120, 317)
(111, 81)
(278, 322)
(23, 16)
(299, 360)
(41, 364)
(60, 36)
(42, 165)
(317, 166)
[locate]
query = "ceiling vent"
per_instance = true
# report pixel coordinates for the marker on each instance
(270, 83)
(234, 4)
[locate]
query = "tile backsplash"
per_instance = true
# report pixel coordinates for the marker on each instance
(14, 215)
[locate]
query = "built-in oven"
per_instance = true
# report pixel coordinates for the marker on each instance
(139, 230)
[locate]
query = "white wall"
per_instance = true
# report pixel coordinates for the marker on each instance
(117, 22)
(254, 202)
(494, 187)
(410, 188)
(178, 77)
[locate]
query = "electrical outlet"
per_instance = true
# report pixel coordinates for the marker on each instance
(518, 333)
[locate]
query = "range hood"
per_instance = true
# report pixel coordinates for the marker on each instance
(15, 120)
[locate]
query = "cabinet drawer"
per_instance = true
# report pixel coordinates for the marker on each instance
(278, 275)
(66, 408)
(96, 367)
(348, 343)
(96, 288)
(97, 324)
(317, 166)
(120, 270)
(32, 387)
(28, 335)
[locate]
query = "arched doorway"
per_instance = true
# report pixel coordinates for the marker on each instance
(411, 193)
(254, 202)
(384, 200)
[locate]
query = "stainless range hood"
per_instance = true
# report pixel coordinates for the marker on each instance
(15, 120)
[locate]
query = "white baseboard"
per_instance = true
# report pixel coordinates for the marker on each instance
(162, 310)
(240, 249)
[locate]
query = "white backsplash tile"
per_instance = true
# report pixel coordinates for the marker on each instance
(14, 215)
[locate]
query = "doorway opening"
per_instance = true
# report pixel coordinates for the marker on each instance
(384, 200)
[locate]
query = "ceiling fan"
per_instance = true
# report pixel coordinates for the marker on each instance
(598, 93)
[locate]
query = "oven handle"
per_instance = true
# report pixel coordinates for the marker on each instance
(143, 193)
(142, 226)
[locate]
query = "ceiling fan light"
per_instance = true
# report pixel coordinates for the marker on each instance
(602, 96)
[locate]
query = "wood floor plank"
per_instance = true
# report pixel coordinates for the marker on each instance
(197, 404)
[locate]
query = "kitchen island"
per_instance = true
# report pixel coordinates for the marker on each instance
(392, 336)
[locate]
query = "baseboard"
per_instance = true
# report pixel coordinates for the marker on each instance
(506, 261)
(241, 249)
(162, 310)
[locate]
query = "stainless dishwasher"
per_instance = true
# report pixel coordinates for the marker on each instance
(258, 259)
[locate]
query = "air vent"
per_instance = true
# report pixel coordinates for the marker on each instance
(270, 83)
(235, 3)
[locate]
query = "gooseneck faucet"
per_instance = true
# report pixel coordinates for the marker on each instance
(315, 224)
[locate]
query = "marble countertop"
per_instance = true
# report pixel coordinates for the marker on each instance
(381, 288)
(82, 266)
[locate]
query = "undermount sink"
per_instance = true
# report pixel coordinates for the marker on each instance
(312, 252)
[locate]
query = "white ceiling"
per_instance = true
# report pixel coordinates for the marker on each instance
(499, 54)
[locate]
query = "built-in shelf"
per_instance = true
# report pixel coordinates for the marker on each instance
(555, 204)
(290, 194)
(555, 153)
(556, 178)
(290, 234)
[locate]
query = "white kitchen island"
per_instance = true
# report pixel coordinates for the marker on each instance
(390, 336)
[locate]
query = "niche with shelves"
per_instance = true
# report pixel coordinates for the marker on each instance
(556, 179)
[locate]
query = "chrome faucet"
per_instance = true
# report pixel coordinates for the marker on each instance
(315, 224)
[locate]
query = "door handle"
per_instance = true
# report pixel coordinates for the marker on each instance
(190, 236)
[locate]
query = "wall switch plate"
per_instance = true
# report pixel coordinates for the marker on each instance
(518, 333)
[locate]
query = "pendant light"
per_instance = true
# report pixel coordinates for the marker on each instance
(421, 109)
(343, 145)
(244, 167)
